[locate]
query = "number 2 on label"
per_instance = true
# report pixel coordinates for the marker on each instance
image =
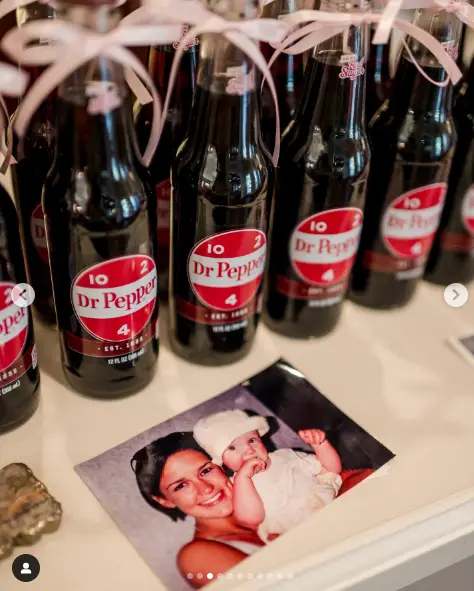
(258, 241)
(123, 330)
(144, 267)
(8, 295)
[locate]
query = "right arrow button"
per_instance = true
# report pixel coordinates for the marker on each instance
(456, 295)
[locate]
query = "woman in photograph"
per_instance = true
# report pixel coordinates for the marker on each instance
(177, 477)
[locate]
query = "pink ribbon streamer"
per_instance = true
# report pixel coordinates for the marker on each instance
(463, 10)
(140, 91)
(12, 83)
(243, 34)
(324, 25)
(73, 46)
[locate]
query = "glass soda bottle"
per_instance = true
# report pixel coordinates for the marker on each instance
(320, 191)
(19, 373)
(452, 256)
(28, 176)
(174, 131)
(100, 214)
(288, 75)
(222, 184)
(413, 140)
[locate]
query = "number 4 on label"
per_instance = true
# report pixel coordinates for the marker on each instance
(123, 330)
(231, 300)
(328, 276)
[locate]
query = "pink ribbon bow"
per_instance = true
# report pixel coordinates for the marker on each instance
(12, 83)
(243, 34)
(7, 6)
(73, 46)
(324, 25)
(463, 10)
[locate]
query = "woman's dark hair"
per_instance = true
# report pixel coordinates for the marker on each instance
(149, 462)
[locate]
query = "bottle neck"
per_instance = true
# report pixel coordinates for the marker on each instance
(94, 123)
(334, 90)
(226, 99)
(411, 91)
(160, 62)
(430, 101)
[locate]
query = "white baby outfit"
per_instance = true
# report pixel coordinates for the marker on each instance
(291, 488)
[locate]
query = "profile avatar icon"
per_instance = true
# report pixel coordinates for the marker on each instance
(26, 569)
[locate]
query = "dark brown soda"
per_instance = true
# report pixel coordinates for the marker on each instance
(98, 208)
(323, 166)
(412, 140)
(28, 176)
(288, 76)
(452, 257)
(379, 81)
(174, 131)
(222, 181)
(19, 372)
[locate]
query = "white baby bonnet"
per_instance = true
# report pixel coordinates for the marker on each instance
(216, 432)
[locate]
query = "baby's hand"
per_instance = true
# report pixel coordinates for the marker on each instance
(314, 437)
(251, 467)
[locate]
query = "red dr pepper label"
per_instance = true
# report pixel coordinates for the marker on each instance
(225, 270)
(409, 224)
(38, 232)
(163, 199)
(114, 300)
(13, 326)
(467, 210)
(323, 246)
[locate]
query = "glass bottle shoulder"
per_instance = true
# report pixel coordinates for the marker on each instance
(108, 199)
(231, 177)
(330, 152)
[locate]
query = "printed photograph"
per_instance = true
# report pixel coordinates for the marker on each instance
(204, 490)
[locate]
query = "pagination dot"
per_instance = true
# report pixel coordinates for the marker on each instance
(210, 576)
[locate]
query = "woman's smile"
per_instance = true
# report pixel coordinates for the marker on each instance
(215, 500)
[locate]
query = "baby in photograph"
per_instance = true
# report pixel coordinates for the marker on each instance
(273, 491)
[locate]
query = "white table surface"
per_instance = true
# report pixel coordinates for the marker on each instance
(393, 373)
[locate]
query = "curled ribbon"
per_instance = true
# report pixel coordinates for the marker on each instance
(73, 46)
(13, 83)
(242, 34)
(324, 25)
(463, 10)
(140, 91)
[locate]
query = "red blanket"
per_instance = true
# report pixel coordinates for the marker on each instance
(352, 477)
